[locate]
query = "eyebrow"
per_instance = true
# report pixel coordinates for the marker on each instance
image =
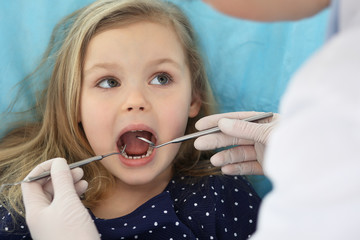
(111, 65)
(166, 60)
(100, 65)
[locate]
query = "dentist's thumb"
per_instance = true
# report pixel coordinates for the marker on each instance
(258, 132)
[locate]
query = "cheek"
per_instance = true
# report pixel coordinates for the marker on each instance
(175, 117)
(96, 122)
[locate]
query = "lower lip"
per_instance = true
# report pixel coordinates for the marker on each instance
(137, 162)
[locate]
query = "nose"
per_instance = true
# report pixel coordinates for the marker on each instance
(136, 100)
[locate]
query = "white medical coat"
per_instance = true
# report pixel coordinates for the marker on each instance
(313, 157)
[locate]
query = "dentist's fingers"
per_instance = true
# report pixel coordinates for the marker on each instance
(243, 168)
(246, 130)
(234, 155)
(212, 120)
(218, 140)
(77, 174)
(33, 193)
(62, 180)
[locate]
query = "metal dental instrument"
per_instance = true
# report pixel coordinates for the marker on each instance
(71, 166)
(204, 132)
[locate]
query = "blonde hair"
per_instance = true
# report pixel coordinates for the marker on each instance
(57, 131)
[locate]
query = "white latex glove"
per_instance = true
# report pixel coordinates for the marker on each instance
(53, 207)
(249, 138)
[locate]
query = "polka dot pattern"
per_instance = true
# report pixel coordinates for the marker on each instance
(214, 207)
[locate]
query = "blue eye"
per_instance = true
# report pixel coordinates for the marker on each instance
(161, 79)
(108, 83)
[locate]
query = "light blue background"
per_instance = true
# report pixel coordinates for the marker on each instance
(249, 63)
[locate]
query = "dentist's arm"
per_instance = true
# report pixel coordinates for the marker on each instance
(269, 10)
(53, 208)
(249, 138)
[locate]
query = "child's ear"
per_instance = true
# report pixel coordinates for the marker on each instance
(194, 106)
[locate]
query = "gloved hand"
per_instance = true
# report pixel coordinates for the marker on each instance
(53, 208)
(250, 139)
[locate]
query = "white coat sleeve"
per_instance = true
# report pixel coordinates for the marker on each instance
(313, 156)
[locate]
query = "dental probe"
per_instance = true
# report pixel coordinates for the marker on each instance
(204, 132)
(71, 166)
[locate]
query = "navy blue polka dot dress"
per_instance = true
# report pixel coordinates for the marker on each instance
(216, 207)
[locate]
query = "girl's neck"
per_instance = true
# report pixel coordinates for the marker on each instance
(123, 199)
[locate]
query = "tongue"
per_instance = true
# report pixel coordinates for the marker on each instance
(134, 146)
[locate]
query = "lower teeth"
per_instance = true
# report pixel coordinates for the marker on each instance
(148, 153)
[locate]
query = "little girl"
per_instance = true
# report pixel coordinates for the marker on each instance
(126, 69)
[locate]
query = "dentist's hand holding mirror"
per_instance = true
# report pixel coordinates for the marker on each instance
(246, 139)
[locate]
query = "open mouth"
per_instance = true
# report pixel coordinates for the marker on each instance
(135, 148)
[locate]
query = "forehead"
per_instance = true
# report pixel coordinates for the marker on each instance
(146, 39)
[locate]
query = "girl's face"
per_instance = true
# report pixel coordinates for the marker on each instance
(136, 83)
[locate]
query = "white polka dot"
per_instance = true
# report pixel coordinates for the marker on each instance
(171, 239)
(125, 224)
(22, 227)
(235, 234)
(225, 229)
(189, 217)
(165, 211)
(177, 223)
(211, 237)
(113, 229)
(155, 223)
(136, 236)
(207, 213)
(236, 203)
(153, 206)
(6, 229)
(184, 235)
(235, 219)
(250, 206)
(134, 227)
(250, 194)
(144, 216)
(100, 235)
(204, 196)
(195, 204)
(215, 193)
(236, 190)
(164, 227)
(202, 226)
(250, 221)
(150, 231)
